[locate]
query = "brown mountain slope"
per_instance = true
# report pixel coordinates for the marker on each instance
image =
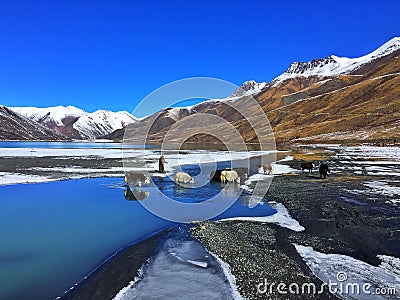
(369, 110)
(359, 106)
(16, 127)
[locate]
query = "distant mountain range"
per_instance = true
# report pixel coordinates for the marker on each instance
(16, 127)
(332, 99)
(70, 122)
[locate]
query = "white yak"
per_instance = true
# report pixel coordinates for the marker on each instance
(230, 176)
(183, 177)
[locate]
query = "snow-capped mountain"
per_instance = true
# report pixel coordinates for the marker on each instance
(49, 116)
(334, 65)
(307, 102)
(13, 126)
(102, 122)
(75, 122)
(249, 87)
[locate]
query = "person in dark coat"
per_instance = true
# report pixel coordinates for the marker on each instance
(161, 163)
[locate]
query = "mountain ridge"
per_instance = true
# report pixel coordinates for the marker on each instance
(310, 101)
(291, 102)
(13, 126)
(334, 65)
(76, 123)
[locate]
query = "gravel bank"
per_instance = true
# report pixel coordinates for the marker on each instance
(361, 228)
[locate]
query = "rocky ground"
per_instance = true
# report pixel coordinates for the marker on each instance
(333, 224)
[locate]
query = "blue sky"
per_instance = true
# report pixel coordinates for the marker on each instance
(111, 54)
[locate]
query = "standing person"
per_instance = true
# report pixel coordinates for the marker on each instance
(161, 163)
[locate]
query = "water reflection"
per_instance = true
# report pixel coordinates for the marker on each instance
(135, 194)
(136, 179)
(183, 203)
(241, 173)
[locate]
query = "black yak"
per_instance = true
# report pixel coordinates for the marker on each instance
(323, 170)
(307, 165)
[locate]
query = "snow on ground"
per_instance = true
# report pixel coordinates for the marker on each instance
(373, 162)
(74, 169)
(15, 178)
(382, 188)
(287, 158)
(368, 160)
(391, 264)
(277, 169)
(145, 160)
(377, 173)
(373, 170)
(367, 152)
(229, 276)
(346, 271)
(18, 178)
(281, 218)
(201, 157)
(68, 153)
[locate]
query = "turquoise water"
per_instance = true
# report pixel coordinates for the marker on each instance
(53, 234)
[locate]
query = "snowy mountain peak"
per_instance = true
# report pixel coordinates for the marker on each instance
(249, 87)
(54, 114)
(387, 48)
(335, 65)
(298, 68)
(87, 125)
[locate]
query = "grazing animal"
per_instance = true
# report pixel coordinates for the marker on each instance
(215, 175)
(323, 170)
(136, 178)
(307, 165)
(183, 177)
(267, 169)
(135, 194)
(242, 172)
(230, 176)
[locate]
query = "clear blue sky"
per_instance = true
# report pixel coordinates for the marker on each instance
(111, 54)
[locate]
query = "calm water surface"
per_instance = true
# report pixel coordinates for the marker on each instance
(53, 234)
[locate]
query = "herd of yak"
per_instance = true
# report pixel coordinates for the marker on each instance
(136, 179)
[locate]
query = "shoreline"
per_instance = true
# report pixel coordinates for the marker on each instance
(116, 271)
(266, 251)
